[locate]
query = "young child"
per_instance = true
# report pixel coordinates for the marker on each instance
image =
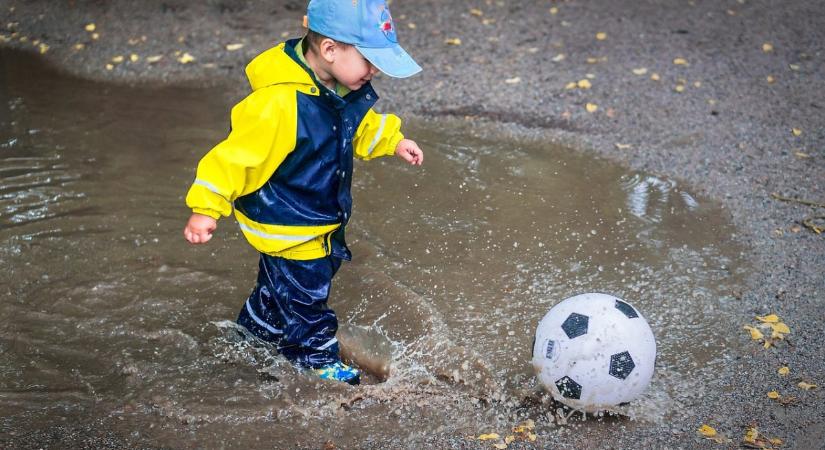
(286, 169)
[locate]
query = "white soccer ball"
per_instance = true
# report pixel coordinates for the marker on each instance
(594, 351)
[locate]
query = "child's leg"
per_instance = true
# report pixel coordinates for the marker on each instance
(289, 307)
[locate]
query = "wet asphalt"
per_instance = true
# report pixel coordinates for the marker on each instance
(725, 97)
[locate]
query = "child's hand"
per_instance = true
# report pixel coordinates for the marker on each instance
(199, 228)
(408, 151)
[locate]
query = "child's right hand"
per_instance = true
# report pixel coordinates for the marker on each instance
(199, 228)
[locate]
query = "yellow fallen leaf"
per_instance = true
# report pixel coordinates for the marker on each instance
(802, 155)
(780, 328)
(453, 41)
(489, 436)
(767, 344)
(771, 79)
(134, 57)
(770, 318)
(806, 386)
(767, 47)
(679, 88)
(43, 48)
(777, 335)
(90, 27)
(500, 446)
(591, 107)
(583, 84)
(623, 146)
(488, 21)
(411, 26)
(531, 437)
(476, 12)
(153, 59)
(776, 442)
(509, 439)
(186, 58)
(784, 370)
(697, 84)
(655, 77)
(559, 58)
(796, 131)
(514, 80)
(751, 434)
(525, 426)
(755, 334)
(117, 59)
(109, 67)
(570, 85)
(793, 67)
(79, 46)
(601, 35)
(95, 36)
(707, 431)
(233, 47)
(773, 394)
(640, 71)
(554, 10)
(680, 61)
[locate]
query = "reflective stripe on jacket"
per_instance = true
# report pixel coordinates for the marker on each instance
(286, 165)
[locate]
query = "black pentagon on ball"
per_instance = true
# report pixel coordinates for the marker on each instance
(626, 309)
(621, 364)
(575, 325)
(569, 388)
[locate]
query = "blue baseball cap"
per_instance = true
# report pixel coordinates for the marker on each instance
(367, 25)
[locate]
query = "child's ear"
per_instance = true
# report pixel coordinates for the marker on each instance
(328, 47)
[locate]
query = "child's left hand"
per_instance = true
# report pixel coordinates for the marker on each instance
(408, 151)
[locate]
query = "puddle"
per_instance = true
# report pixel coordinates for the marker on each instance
(111, 321)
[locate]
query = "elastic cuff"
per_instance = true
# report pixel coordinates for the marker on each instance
(393, 144)
(207, 212)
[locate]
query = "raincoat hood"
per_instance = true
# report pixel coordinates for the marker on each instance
(275, 66)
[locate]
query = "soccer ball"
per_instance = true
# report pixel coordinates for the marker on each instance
(594, 351)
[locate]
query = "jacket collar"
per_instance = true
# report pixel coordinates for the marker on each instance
(339, 102)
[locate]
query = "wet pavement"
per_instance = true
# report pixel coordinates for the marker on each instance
(728, 135)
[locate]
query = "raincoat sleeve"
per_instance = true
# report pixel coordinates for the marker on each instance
(262, 135)
(377, 136)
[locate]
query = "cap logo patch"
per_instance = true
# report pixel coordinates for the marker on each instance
(386, 25)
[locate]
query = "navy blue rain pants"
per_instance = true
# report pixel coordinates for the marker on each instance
(288, 308)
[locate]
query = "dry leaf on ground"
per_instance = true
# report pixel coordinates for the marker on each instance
(770, 318)
(806, 386)
(488, 436)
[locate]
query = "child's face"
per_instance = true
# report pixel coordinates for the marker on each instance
(350, 68)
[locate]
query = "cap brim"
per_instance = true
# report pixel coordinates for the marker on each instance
(393, 61)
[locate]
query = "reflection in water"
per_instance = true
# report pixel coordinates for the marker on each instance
(111, 321)
(649, 197)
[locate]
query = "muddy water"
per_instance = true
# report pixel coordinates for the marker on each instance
(110, 321)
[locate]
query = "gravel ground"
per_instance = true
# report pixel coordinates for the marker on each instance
(740, 119)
